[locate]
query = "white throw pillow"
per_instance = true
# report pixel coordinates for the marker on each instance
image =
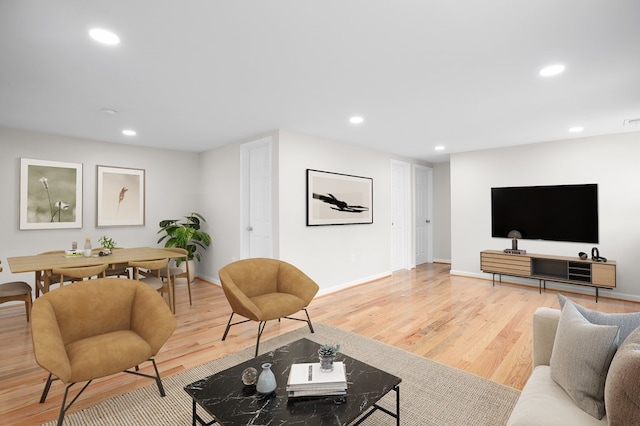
(581, 356)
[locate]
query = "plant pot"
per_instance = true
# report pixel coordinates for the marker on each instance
(326, 363)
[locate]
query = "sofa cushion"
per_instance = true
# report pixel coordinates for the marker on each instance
(581, 356)
(543, 402)
(621, 391)
(627, 321)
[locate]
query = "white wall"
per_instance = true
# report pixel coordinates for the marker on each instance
(334, 256)
(171, 191)
(610, 161)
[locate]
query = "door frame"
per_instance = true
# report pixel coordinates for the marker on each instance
(429, 209)
(408, 256)
(245, 149)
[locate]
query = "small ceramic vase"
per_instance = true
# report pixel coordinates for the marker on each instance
(266, 381)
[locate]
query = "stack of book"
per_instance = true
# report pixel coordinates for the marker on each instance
(307, 380)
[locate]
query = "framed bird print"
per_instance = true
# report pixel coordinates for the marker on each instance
(120, 197)
(338, 199)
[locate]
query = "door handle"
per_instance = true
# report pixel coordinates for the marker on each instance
(249, 228)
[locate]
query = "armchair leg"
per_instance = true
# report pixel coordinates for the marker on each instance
(261, 326)
(226, 330)
(47, 386)
(156, 377)
(64, 407)
(308, 320)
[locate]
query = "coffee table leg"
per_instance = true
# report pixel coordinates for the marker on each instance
(397, 389)
(193, 414)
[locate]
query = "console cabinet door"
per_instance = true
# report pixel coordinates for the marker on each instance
(603, 274)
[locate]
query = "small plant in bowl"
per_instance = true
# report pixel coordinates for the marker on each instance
(107, 244)
(327, 354)
(328, 350)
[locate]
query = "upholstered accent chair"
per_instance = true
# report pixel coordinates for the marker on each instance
(97, 328)
(263, 289)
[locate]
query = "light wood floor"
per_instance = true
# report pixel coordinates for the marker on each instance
(462, 322)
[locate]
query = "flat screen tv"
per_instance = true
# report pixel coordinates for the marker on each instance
(554, 213)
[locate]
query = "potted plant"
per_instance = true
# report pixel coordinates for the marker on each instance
(107, 244)
(185, 234)
(327, 354)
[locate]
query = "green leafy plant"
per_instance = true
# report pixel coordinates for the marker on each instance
(185, 234)
(106, 242)
(328, 350)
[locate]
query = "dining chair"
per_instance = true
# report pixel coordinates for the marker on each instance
(115, 269)
(176, 272)
(79, 273)
(42, 281)
(149, 271)
(16, 291)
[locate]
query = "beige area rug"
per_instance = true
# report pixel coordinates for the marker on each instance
(430, 393)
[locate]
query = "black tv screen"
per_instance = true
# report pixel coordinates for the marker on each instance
(554, 213)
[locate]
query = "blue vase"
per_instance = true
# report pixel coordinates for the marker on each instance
(266, 380)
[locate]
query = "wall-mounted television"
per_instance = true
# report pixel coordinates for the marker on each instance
(554, 213)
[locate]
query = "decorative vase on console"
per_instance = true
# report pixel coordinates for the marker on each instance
(267, 380)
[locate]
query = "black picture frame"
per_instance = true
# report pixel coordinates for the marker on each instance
(338, 199)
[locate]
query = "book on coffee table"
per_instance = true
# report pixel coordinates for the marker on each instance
(306, 379)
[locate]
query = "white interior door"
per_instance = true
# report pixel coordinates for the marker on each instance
(423, 212)
(400, 223)
(257, 223)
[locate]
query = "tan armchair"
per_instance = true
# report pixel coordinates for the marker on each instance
(97, 328)
(263, 289)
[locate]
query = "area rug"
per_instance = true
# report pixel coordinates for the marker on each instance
(431, 393)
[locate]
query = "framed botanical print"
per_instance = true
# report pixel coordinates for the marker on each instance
(120, 196)
(50, 194)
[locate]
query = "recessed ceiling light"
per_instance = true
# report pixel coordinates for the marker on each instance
(439, 148)
(576, 129)
(356, 120)
(129, 132)
(552, 70)
(104, 36)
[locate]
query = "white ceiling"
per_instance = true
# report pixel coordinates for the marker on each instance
(193, 75)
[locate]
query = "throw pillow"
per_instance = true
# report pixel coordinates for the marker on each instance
(621, 390)
(627, 322)
(581, 356)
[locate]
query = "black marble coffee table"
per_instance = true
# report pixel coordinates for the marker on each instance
(229, 402)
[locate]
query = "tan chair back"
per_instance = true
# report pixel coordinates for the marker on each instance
(79, 273)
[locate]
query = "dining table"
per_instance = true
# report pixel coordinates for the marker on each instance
(45, 263)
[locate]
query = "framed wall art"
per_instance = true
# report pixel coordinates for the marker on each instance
(338, 199)
(50, 194)
(120, 197)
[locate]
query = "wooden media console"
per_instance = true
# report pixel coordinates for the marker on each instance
(541, 267)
